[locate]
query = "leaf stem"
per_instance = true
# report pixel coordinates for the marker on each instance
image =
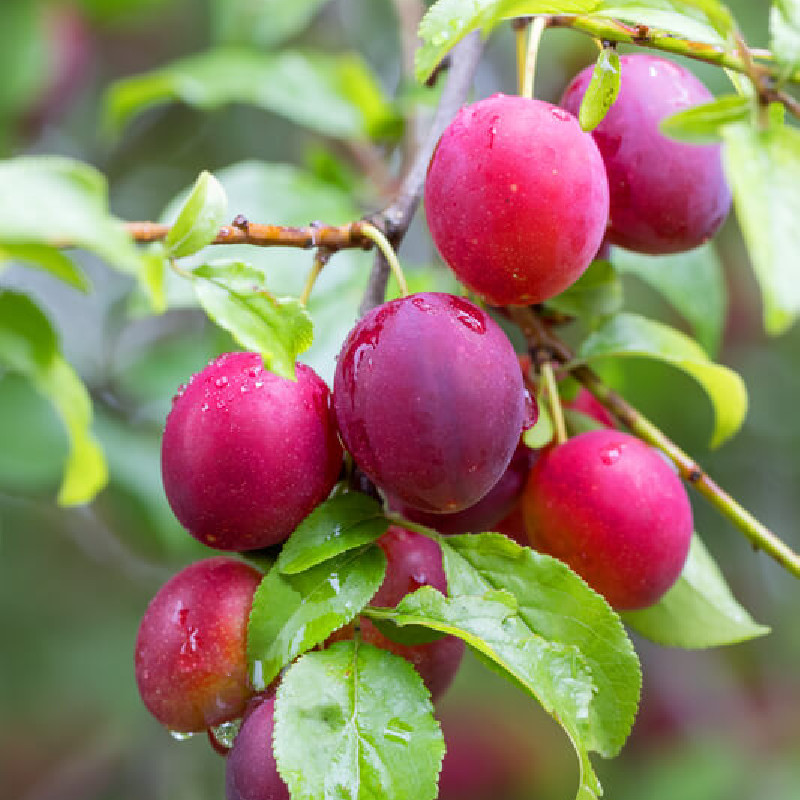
(538, 28)
(321, 258)
(384, 245)
(554, 401)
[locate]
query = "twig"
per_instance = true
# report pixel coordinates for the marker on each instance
(388, 253)
(540, 337)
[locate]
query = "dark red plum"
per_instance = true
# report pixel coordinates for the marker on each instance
(613, 510)
(666, 196)
(516, 199)
(486, 513)
(191, 665)
(250, 771)
(246, 454)
(430, 400)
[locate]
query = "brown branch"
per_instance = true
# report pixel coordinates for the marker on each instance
(540, 338)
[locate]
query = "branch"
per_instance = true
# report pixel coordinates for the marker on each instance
(540, 337)
(395, 219)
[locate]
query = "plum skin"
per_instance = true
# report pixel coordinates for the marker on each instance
(666, 196)
(250, 770)
(516, 199)
(430, 400)
(190, 656)
(247, 454)
(613, 510)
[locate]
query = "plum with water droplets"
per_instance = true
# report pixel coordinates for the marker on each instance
(516, 199)
(191, 665)
(430, 400)
(247, 454)
(613, 510)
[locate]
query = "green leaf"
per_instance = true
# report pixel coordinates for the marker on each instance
(578, 422)
(293, 613)
(262, 22)
(356, 722)
(28, 345)
(542, 432)
(703, 124)
(763, 169)
(153, 279)
(597, 293)
(784, 27)
(692, 282)
(626, 335)
(556, 604)
(699, 611)
(49, 259)
(342, 523)
(310, 88)
(602, 91)
(200, 218)
(234, 296)
(670, 17)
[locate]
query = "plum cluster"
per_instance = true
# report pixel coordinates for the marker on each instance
(430, 402)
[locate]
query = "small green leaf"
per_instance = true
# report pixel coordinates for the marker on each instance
(356, 722)
(597, 293)
(262, 22)
(234, 296)
(699, 611)
(293, 613)
(50, 259)
(154, 267)
(703, 124)
(693, 282)
(784, 27)
(602, 91)
(626, 335)
(342, 523)
(763, 169)
(200, 218)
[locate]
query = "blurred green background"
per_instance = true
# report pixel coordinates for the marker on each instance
(74, 583)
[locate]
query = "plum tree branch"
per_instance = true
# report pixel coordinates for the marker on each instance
(539, 336)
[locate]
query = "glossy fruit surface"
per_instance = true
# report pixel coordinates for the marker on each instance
(246, 454)
(516, 199)
(613, 510)
(430, 401)
(250, 771)
(191, 666)
(666, 196)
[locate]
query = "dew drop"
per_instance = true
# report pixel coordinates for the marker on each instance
(221, 382)
(258, 384)
(180, 736)
(530, 411)
(610, 455)
(226, 733)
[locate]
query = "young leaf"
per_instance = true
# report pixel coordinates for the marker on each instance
(626, 335)
(309, 88)
(692, 282)
(784, 27)
(356, 722)
(49, 259)
(602, 90)
(763, 168)
(234, 296)
(597, 293)
(699, 611)
(342, 523)
(28, 345)
(556, 675)
(293, 613)
(703, 124)
(200, 218)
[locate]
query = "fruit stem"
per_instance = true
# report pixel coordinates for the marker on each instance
(520, 34)
(538, 28)
(554, 401)
(383, 244)
(321, 258)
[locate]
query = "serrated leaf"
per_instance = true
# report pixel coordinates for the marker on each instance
(597, 293)
(602, 91)
(784, 28)
(309, 88)
(342, 523)
(28, 345)
(234, 296)
(692, 282)
(703, 124)
(49, 259)
(627, 335)
(763, 169)
(699, 611)
(262, 22)
(200, 218)
(293, 613)
(556, 675)
(356, 722)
